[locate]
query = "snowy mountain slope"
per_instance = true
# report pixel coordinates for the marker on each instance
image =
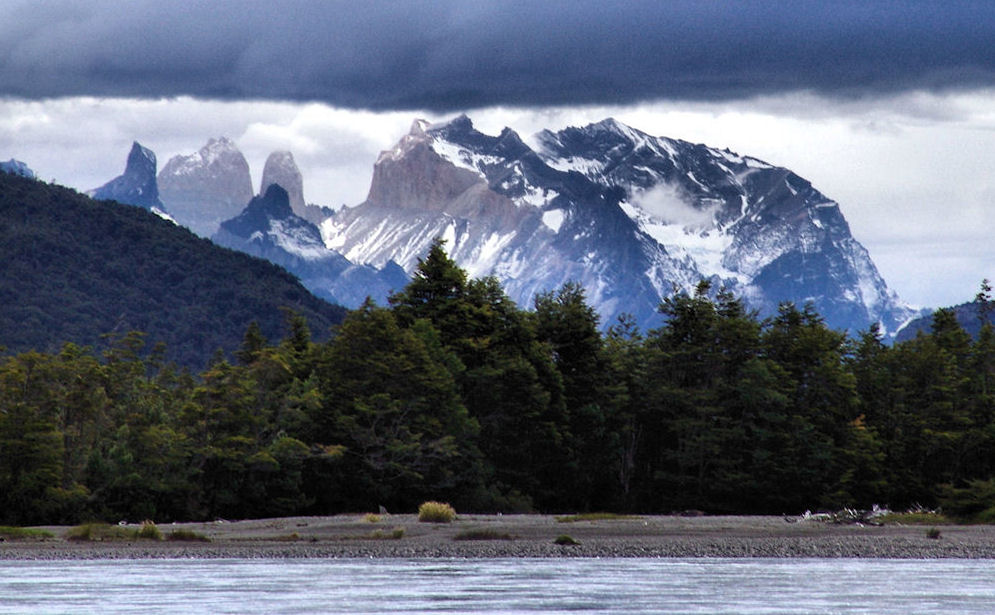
(766, 232)
(269, 229)
(629, 216)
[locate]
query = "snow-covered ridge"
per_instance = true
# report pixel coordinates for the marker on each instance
(629, 215)
(463, 157)
(297, 240)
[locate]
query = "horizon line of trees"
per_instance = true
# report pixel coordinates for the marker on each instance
(453, 392)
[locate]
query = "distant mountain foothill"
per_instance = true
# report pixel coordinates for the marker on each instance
(80, 270)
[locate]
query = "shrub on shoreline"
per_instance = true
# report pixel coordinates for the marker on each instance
(436, 512)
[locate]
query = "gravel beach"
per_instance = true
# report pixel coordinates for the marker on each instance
(476, 536)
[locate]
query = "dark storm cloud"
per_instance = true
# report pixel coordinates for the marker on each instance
(445, 55)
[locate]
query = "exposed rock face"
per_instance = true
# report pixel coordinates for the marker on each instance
(280, 169)
(268, 228)
(137, 186)
(205, 188)
(629, 216)
(16, 167)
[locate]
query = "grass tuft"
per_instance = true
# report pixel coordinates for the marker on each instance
(100, 532)
(913, 518)
(595, 516)
(372, 518)
(933, 533)
(148, 531)
(396, 534)
(483, 534)
(187, 536)
(436, 512)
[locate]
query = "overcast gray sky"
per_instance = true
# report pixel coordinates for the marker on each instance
(887, 107)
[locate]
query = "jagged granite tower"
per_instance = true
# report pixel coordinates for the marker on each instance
(137, 186)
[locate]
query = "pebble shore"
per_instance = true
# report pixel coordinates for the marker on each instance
(531, 536)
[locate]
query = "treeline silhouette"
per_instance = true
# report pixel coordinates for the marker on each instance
(454, 393)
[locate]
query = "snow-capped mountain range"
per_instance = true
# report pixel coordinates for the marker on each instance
(631, 217)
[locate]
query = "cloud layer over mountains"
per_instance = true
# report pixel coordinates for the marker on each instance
(446, 55)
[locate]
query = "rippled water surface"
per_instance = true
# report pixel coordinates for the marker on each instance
(499, 586)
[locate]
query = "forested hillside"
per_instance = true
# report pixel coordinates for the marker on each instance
(74, 269)
(453, 392)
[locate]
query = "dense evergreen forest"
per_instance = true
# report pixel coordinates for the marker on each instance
(76, 269)
(452, 392)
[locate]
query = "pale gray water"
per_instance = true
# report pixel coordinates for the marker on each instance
(740, 586)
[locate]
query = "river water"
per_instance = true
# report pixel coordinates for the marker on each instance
(739, 586)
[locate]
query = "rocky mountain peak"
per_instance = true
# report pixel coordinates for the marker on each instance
(460, 124)
(281, 169)
(415, 176)
(206, 187)
(137, 186)
(419, 126)
(273, 205)
(141, 161)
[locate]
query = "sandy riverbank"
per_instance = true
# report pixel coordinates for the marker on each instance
(526, 536)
